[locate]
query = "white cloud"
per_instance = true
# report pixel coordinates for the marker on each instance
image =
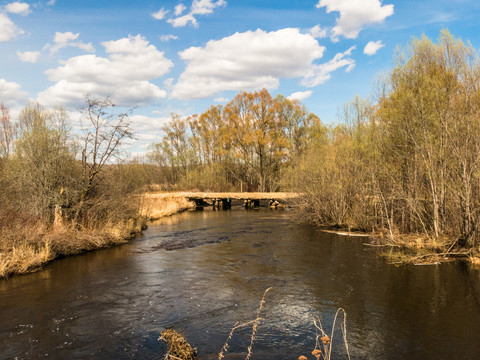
(372, 47)
(318, 32)
(28, 56)
(300, 95)
(67, 39)
(220, 100)
(183, 21)
(160, 14)
(169, 37)
(148, 124)
(124, 76)
(148, 130)
(203, 7)
(355, 15)
(51, 2)
(199, 7)
(11, 93)
(322, 72)
(265, 57)
(179, 9)
(8, 30)
(18, 8)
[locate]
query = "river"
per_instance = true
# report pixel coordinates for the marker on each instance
(201, 272)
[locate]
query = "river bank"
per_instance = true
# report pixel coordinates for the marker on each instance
(416, 249)
(27, 247)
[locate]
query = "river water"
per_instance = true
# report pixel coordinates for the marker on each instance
(201, 272)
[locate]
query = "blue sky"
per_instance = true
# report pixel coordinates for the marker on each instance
(183, 56)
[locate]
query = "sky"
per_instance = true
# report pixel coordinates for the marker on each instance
(164, 57)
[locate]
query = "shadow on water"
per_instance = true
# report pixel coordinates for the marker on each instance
(200, 272)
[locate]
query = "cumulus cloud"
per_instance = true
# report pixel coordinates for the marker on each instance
(67, 39)
(203, 7)
(11, 93)
(8, 30)
(300, 95)
(220, 100)
(322, 72)
(28, 56)
(355, 15)
(183, 21)
(18, 8)
(372, 47)
(253, 60)
(160, 14)
(318, 32)
(124, 76)
(179, 9)
(148, 130)
(199, 7)
(165, 38)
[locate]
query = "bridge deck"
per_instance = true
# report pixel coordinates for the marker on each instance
(278, 196)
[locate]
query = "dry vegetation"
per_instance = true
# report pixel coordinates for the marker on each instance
(180, 349)
(155, 206)
(60, 196)
(405, 166)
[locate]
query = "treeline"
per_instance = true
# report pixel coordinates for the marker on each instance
(408, 162)
(243, 146)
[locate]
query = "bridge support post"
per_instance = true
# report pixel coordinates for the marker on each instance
(226, 204)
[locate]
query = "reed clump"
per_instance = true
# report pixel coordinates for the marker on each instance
(178, 346)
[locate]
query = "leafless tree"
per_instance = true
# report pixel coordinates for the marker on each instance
(105, 131)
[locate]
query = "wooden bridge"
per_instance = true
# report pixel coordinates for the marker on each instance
(250, 200)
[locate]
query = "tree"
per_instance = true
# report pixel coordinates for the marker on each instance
(104, 133)
(42, 170)
(7, 132)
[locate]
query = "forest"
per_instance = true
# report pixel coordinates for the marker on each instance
(403, 164)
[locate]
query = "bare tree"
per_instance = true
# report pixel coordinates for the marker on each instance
(6, 131)
(104, 133)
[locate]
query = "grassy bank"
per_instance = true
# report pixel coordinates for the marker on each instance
(27, 245)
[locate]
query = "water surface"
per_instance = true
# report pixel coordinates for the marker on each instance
(201, 272)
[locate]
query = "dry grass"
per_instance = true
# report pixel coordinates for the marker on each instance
(419, 249)
(178, 346)
(27, 244)
(156, 206)
(25, 249)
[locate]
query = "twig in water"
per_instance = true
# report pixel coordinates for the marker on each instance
(235, 327)
(255, 324)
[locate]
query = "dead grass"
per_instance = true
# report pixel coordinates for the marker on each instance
(26, 249)
(156, 206)
(28, 244)
(418, 249)
(178, 346)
